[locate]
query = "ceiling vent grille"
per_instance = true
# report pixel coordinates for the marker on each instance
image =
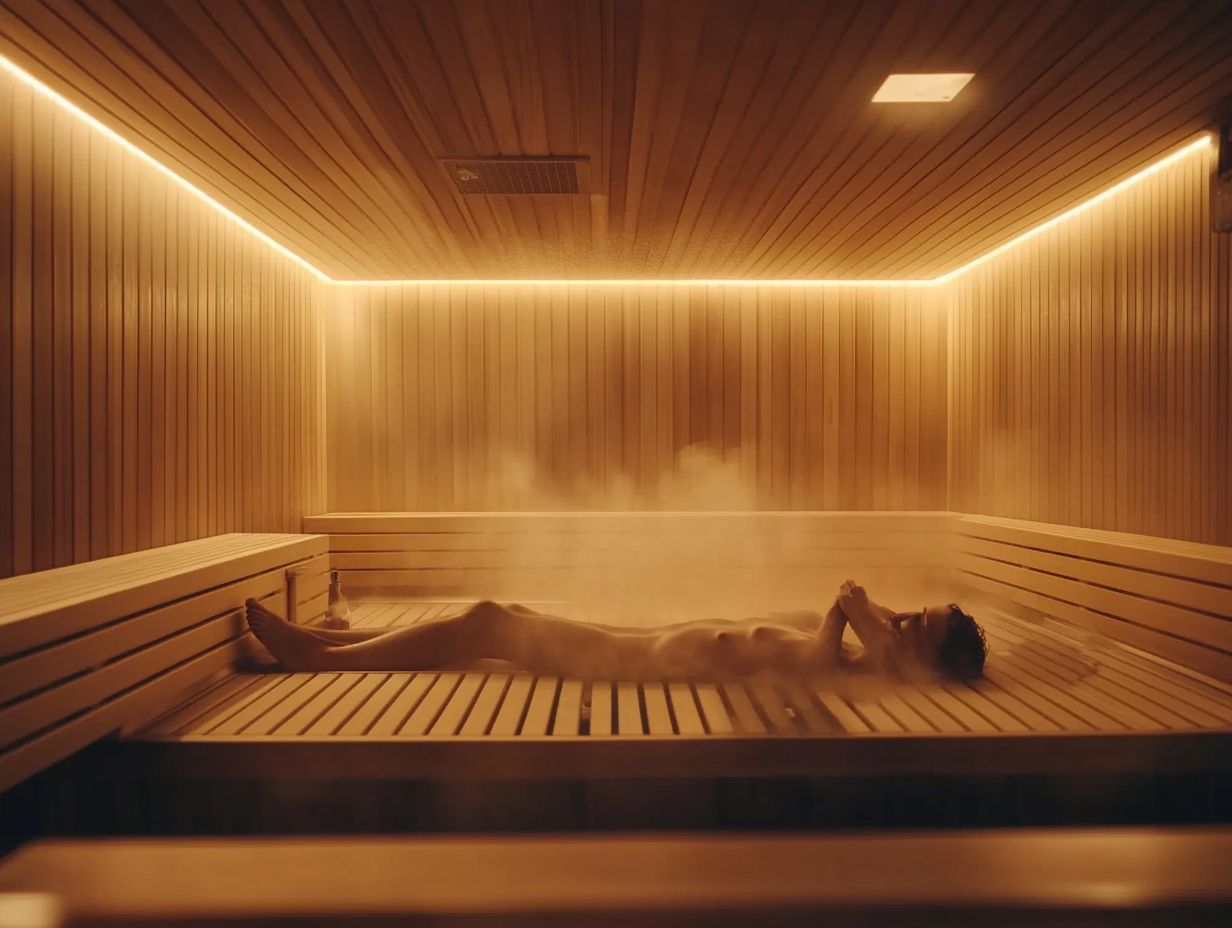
(518, 177)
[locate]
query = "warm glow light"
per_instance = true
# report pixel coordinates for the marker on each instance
(65, 104)
(646, 282)
(921, 88)
(31, 81)
(1197, 145)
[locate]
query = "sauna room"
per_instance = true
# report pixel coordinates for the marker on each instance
(545, 461)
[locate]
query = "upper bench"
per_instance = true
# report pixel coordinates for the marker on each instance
(95, 647)
(775, 559)
(1169, 598)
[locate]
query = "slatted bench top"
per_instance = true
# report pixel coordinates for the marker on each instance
(1053, 696)
(95, 647)
(1160, 876)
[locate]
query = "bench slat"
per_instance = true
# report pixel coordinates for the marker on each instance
(688, 719)
(458, 707)
(628, 709)
(401, 706)
(375, 705)
(1194, 655)
(480, 718)
(568, 709)
(1208, 563)
(1166, 588)
(49, 605)
(431, 706)
(539, 709)
(513, 707)
(601, 708)
(113, 715)
(347, 706)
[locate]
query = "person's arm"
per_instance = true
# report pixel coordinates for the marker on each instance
(869, 623)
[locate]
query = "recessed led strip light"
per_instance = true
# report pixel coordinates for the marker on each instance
(1198, 144)
(646, 282)
(68, 106)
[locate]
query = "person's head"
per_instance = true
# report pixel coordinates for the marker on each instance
(944, 637)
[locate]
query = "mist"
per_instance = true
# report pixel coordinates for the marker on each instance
(690, 544)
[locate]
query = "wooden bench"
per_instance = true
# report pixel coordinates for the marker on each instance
(1125, 877)
(94, 648)
(1168, 599)
(698, 560)
(1038, 711)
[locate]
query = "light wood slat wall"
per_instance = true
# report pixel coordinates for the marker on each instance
(502, 397)
(1091, 370)
(158, 367)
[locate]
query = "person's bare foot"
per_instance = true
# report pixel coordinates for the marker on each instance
(295, 648)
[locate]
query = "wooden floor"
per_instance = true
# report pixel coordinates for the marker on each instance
(1043, 678)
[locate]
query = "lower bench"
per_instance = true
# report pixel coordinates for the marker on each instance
(1143, 876)
(104, 646)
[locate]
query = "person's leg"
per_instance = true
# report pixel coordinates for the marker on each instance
(540, 644)
(346, 635)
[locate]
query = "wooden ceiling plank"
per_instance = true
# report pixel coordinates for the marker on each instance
(974, 44)
(1123, 150)
(1009, 149)
(645, 92)
(437, 127)
(803, 58)
(234, 48)
(790, 96)
(113, 26)
(708, 83)
(694, 32)
(63, 58)
(463, 94)
(1041, 30)
(726, 137)
(882, 132)
(762, 42)
(765, 196)
(330, 34)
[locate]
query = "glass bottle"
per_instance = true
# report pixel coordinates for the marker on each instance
(338, 612)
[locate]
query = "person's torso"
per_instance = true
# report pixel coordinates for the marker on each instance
(723, 651)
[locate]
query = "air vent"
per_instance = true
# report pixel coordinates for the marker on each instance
(518, 177)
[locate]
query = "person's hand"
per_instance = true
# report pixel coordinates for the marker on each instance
(852, 594)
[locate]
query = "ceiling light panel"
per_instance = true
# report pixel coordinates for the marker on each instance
(921, 88)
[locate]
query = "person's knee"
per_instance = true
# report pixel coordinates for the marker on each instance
(485, 614)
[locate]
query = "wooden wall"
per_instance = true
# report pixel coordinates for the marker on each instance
(1091, 370)
(158, 366)
(516, 397)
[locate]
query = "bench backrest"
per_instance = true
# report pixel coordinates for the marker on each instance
(95, 647)
(704, 558)
(1170, 598)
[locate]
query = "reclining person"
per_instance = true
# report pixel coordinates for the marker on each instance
(936, 640)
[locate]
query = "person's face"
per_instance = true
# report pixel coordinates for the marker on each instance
(922, 632)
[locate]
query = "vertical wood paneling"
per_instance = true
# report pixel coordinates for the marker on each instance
(1108, 338)
(577, 397)
(146, 397)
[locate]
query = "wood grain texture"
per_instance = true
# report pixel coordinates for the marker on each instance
(515, 397)
(657, 880)
(725, 137)
(1089, 370)
(161, 374)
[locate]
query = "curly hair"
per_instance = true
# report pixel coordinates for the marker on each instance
(961, 653)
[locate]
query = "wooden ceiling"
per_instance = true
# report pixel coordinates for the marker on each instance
(726, 138)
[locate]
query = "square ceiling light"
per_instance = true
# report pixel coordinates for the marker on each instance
(921, 88)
